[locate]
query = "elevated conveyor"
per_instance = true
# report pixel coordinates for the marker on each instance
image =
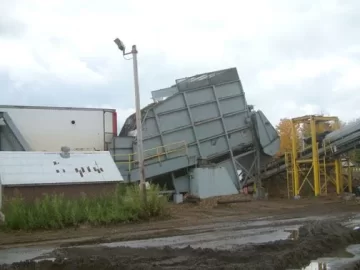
(333, 145)
(201, 120)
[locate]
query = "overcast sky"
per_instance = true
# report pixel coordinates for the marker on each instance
(293, 57)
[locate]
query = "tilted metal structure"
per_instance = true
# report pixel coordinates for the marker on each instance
(204, 119)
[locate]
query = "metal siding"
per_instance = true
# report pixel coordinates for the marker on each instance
(150, 127)
(213, 147)
(200, 96)
(205, 182)
(173, 120)
(204, 112)
(209, 129)
(266, 134)
(50, 129)
(229, 89)
(186, 135)
(235, 121)
(233, 105)
(182, 184)
(167, 166)
(171, 103)
(29, 168)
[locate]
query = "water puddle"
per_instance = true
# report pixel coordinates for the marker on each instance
(337, 261)
(46, 259)
(220, 240)
(352, 222)
(9, 256)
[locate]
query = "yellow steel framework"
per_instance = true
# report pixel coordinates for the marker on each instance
(348, 168)
(299, 168)
(157, 153)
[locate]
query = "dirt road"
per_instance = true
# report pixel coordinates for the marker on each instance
(240, 233)
(184, 220)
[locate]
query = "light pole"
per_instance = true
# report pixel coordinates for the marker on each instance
(140, 150)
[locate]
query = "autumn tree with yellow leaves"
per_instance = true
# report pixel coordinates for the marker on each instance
(285, 134)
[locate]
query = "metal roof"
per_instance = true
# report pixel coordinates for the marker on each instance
(46, 168)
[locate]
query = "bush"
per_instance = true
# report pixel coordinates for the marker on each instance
(55, 211)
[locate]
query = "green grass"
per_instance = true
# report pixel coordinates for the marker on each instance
(56, 211)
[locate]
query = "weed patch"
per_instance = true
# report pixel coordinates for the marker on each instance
(56, 211)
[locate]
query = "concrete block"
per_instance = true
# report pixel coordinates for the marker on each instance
(178, 198)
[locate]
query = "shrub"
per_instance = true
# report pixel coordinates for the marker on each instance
(56, 211)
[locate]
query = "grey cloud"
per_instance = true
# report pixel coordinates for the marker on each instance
(11, 28)
(53, 93)
(324, 33)
(316, 91)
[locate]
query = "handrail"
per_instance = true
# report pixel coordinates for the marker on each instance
(159, 152)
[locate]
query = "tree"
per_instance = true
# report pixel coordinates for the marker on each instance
(285, 134)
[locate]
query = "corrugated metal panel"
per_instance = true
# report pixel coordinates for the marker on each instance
(27, 168)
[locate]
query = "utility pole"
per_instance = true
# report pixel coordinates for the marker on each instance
(139, 134)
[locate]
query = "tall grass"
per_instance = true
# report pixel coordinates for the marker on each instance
(56, 211)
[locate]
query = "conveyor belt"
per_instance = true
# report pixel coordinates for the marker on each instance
(334, 144)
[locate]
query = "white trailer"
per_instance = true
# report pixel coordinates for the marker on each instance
(50, 128)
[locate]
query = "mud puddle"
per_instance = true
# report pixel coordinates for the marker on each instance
(221, 245)
(224, 240)
(227, 236)
(216, 236)
(315, 240)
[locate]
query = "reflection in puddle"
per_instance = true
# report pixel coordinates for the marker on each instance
(317, 266)
(47, 259)
(294, 234)
(338, 260)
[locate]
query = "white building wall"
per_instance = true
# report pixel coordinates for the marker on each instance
(48, 129)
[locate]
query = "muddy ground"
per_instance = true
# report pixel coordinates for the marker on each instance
(184, 219)
(315, 239)
(196, 222)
